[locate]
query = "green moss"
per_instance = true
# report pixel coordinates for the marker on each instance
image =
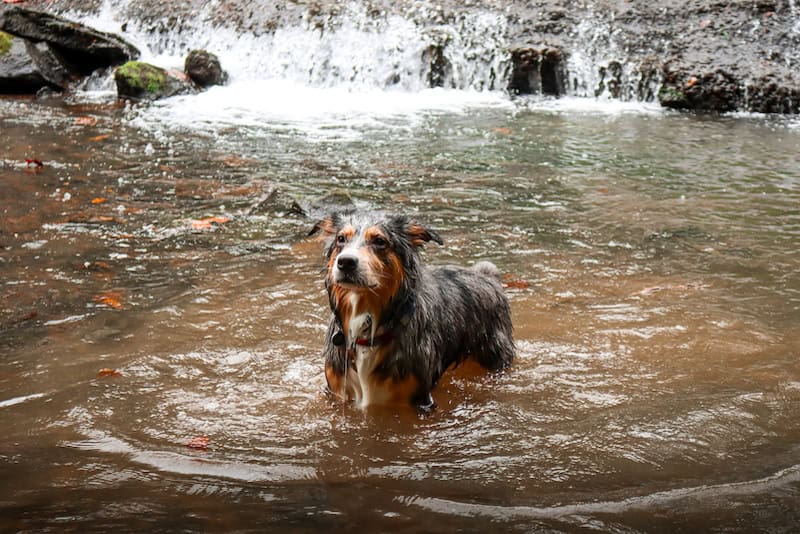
(671, 97)
(5, 43)
(143, 76)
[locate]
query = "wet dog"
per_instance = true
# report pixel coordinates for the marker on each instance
(397, 325)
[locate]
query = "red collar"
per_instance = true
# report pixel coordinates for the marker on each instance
(382, 339)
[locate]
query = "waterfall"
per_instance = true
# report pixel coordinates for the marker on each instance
(359, 50)
(597, 67)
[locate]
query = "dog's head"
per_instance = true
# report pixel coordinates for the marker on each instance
(372, 256)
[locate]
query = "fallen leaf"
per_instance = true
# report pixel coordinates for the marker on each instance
(691, 82)
(199, 443)
(502, 130)
(99, 200)
(99, 137)
(34, 162)
(112, 300)
(511, 282)
(208, 222)
(85, 121)
(106, 372)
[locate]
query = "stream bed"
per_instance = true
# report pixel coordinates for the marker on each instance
(162, 315)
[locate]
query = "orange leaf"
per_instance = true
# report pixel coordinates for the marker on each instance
(99, 200)
(502, 130)
(85, 121)
(511, 282)
(99, 137)
(208, 222)
(198, 442)
(106, 372)
(112, 300)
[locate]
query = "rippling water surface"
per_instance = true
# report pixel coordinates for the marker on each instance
(162, 370)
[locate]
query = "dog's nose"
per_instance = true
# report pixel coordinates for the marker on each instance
(347, 264)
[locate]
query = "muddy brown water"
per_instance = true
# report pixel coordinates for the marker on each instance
(159, 373)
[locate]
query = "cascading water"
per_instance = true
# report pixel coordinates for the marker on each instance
(596, 68)
(359, 50)
(362, 50)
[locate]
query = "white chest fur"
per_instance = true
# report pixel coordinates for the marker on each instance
(362, 388)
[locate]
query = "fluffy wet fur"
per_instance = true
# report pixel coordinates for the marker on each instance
(397, 325)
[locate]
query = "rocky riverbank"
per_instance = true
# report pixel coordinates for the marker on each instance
(686, 54)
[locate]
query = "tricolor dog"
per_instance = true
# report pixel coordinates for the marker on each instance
(397, 325)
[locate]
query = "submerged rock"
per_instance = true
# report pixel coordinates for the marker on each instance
(138, 80)
(204, 69)
(80, 47)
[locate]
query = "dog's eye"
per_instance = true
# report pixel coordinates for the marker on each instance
(341, 239)
(379, 243)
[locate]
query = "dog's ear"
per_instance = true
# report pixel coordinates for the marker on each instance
(418, 234)
(327, 226)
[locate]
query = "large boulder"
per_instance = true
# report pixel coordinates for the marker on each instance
(19, 73)
(83, 48)
(204, 69)
(141, 81)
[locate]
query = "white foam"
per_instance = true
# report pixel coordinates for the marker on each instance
(323, 112)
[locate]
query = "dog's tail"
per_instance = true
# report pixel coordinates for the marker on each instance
(488, 268)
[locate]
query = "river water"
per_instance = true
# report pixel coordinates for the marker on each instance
(162, 315)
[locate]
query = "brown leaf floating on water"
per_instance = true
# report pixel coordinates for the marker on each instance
(199, 443)
(112, 300)
(208, 222)
(512, 282)
(85, 121)
(108, 372)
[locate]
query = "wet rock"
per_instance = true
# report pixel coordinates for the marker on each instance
(772, 95)
(711, 91)
(334, 201)
(537, 71)
(19, 73)
(204, 69)
(82, 47)
(142, 81)
(744, 54)
(5, 43)
(53, 67)
(439, 69)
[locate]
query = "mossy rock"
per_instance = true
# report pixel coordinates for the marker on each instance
(669, 97)
(138, 80)
(5, 43)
